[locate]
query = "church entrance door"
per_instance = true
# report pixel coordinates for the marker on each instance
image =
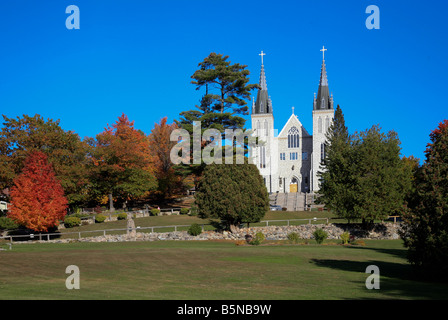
(293, 187)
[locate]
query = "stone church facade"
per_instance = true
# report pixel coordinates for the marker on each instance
(289, 161)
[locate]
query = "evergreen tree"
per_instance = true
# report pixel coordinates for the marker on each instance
(426, 223)
(336, 176)
(235, 193)
(223, 105)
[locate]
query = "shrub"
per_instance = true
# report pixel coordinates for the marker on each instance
(293, 237)
(70, 222)
(184, 210)
(7, 224)
(97, 209)
(122, 216)
(258, 239)
(194, 210)
(240, 242)
(99, 218)
(195, 229)
(345, 237)
(260, 236)
(320, 235)
(79, 215)
(155, 212)
(221, 189)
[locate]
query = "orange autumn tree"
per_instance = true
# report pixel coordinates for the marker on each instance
(37, 197)
(161, 145)
(123, 166)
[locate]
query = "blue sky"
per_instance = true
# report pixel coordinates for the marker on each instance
(136, 57)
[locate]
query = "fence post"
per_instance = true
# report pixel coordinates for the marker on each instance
(79, 234)
(175, 228)
(309, 221)
(48, 237)
(104, 232)
(288, 223)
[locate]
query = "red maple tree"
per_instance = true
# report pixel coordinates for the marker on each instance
(37, 197)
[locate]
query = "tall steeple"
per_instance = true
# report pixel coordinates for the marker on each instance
(323, 100)
(263, 103)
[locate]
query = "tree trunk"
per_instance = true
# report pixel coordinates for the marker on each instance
(111, 203)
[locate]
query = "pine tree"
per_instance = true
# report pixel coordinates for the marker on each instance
(223, 105)
(336, 176)
(37, 197)
(426, 223)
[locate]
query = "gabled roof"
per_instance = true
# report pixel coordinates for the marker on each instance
(293, 121)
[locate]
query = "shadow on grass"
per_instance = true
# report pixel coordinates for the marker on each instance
(397, 280)
(400, 253)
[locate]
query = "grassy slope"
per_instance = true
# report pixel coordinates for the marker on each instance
(209, 270)
(188, 220)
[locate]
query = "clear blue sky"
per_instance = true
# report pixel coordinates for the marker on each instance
(136, 57)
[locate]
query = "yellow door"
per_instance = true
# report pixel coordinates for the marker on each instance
(293, 187)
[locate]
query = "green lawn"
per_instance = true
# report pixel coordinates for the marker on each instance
(158, 221)
(210, 270)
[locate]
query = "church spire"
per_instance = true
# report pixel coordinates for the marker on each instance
(263, 103)
(323, 100)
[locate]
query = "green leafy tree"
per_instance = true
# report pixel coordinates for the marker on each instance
(235, 193)
(122, 166)
(66, 152)
(362, 175)
(382, 181)
(426, 223)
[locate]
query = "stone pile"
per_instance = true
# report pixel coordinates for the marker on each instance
(379, 231)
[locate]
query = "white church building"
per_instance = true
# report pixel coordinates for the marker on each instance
(289, 161)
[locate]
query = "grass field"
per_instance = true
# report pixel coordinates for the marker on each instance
(208, 270)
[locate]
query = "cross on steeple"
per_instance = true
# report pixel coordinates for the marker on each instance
(262, 54)
(323, 52)
(292, 110)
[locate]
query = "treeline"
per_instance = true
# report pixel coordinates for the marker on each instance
(121, 166)
(364, 178)
(116, 168)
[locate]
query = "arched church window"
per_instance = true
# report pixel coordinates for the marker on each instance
(327, 124)
(266, 128)
(322, 151)
(319, 125)
(262, 157)
(293, 138)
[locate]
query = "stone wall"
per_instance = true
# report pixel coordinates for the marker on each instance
(379, 231)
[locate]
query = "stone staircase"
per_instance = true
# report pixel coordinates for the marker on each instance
(294, 201)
